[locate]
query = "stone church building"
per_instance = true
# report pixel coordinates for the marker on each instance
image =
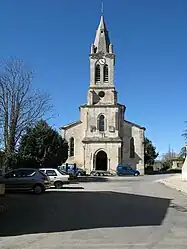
(102, 138)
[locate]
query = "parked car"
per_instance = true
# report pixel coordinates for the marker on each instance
(126, 170)
(57, 177)
(70, 170)
(26, 179)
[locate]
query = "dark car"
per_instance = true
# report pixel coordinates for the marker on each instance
(126, 170)
(72, 171)
(26, 179)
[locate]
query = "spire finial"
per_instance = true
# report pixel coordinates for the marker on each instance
(102, 8)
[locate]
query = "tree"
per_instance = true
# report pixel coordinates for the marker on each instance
(183, 149)
(149, 152)
(182, 153)
(44, 145)
(168, 157)
(20, 106)
(184, 134)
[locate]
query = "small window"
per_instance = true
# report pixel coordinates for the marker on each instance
(71, 147)
(132, 151)
(101, 123)
(51, 173)
(97, 73)
(101, 94)
(105, 73)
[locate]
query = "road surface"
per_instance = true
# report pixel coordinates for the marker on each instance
(133, 212)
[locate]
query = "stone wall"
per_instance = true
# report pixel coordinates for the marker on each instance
(130, 130)
(76, 132)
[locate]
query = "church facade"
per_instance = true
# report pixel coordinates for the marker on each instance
(103, 138)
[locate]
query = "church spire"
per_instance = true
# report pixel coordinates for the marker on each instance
(102, 41)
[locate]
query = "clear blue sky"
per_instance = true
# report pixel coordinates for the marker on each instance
(150, 42)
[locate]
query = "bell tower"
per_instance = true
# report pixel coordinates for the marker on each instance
(102, 62)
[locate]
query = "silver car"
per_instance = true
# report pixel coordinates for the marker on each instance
(26, 179)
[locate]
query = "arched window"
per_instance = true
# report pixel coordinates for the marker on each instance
(97, 73)
(105, 73)
(132, 152)
(71, 146)
(101, 123)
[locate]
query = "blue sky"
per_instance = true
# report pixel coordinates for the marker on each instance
(150, 42)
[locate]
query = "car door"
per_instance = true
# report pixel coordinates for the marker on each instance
(129, 170)
(11, 180)
(126, 170)
(120, 170)
(25, 179)
(52, 175)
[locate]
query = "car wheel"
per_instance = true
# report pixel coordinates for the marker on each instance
(79, 174)
(97, 174)
(136, 174)
(38, 189)
(58, 185)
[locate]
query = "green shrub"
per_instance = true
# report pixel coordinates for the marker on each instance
(174, 170)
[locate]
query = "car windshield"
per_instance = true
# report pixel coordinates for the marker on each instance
(42, 172)
(61, 171)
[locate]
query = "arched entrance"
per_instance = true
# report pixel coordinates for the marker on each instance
(101, 160)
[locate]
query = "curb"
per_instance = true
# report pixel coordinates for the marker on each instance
(172, 186)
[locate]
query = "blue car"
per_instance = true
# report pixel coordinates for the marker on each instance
(126, 170)
(70, 170)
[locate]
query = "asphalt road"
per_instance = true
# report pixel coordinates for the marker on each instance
(133, 212)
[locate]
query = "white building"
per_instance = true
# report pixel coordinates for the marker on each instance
(102, 138)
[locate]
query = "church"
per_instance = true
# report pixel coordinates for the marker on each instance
(102, 138)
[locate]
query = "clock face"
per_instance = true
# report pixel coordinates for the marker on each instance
(102, 61)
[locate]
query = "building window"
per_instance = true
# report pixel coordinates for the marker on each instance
(132, 152)
(97, 73)
(101, 123)
(71, 146)
(105, 73)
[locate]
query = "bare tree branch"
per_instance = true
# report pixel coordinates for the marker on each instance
(20, 106)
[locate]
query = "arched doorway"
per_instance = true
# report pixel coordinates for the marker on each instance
(101, 160)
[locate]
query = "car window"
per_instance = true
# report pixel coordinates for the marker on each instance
(11, 174)
(51, 173)
(62, 172)
(25, 173)
(42, 172)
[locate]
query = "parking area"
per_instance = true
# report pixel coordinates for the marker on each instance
(132, 212)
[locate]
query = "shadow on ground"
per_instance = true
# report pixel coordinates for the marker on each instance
(65, 211)
(91, 179)
(71, 187)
